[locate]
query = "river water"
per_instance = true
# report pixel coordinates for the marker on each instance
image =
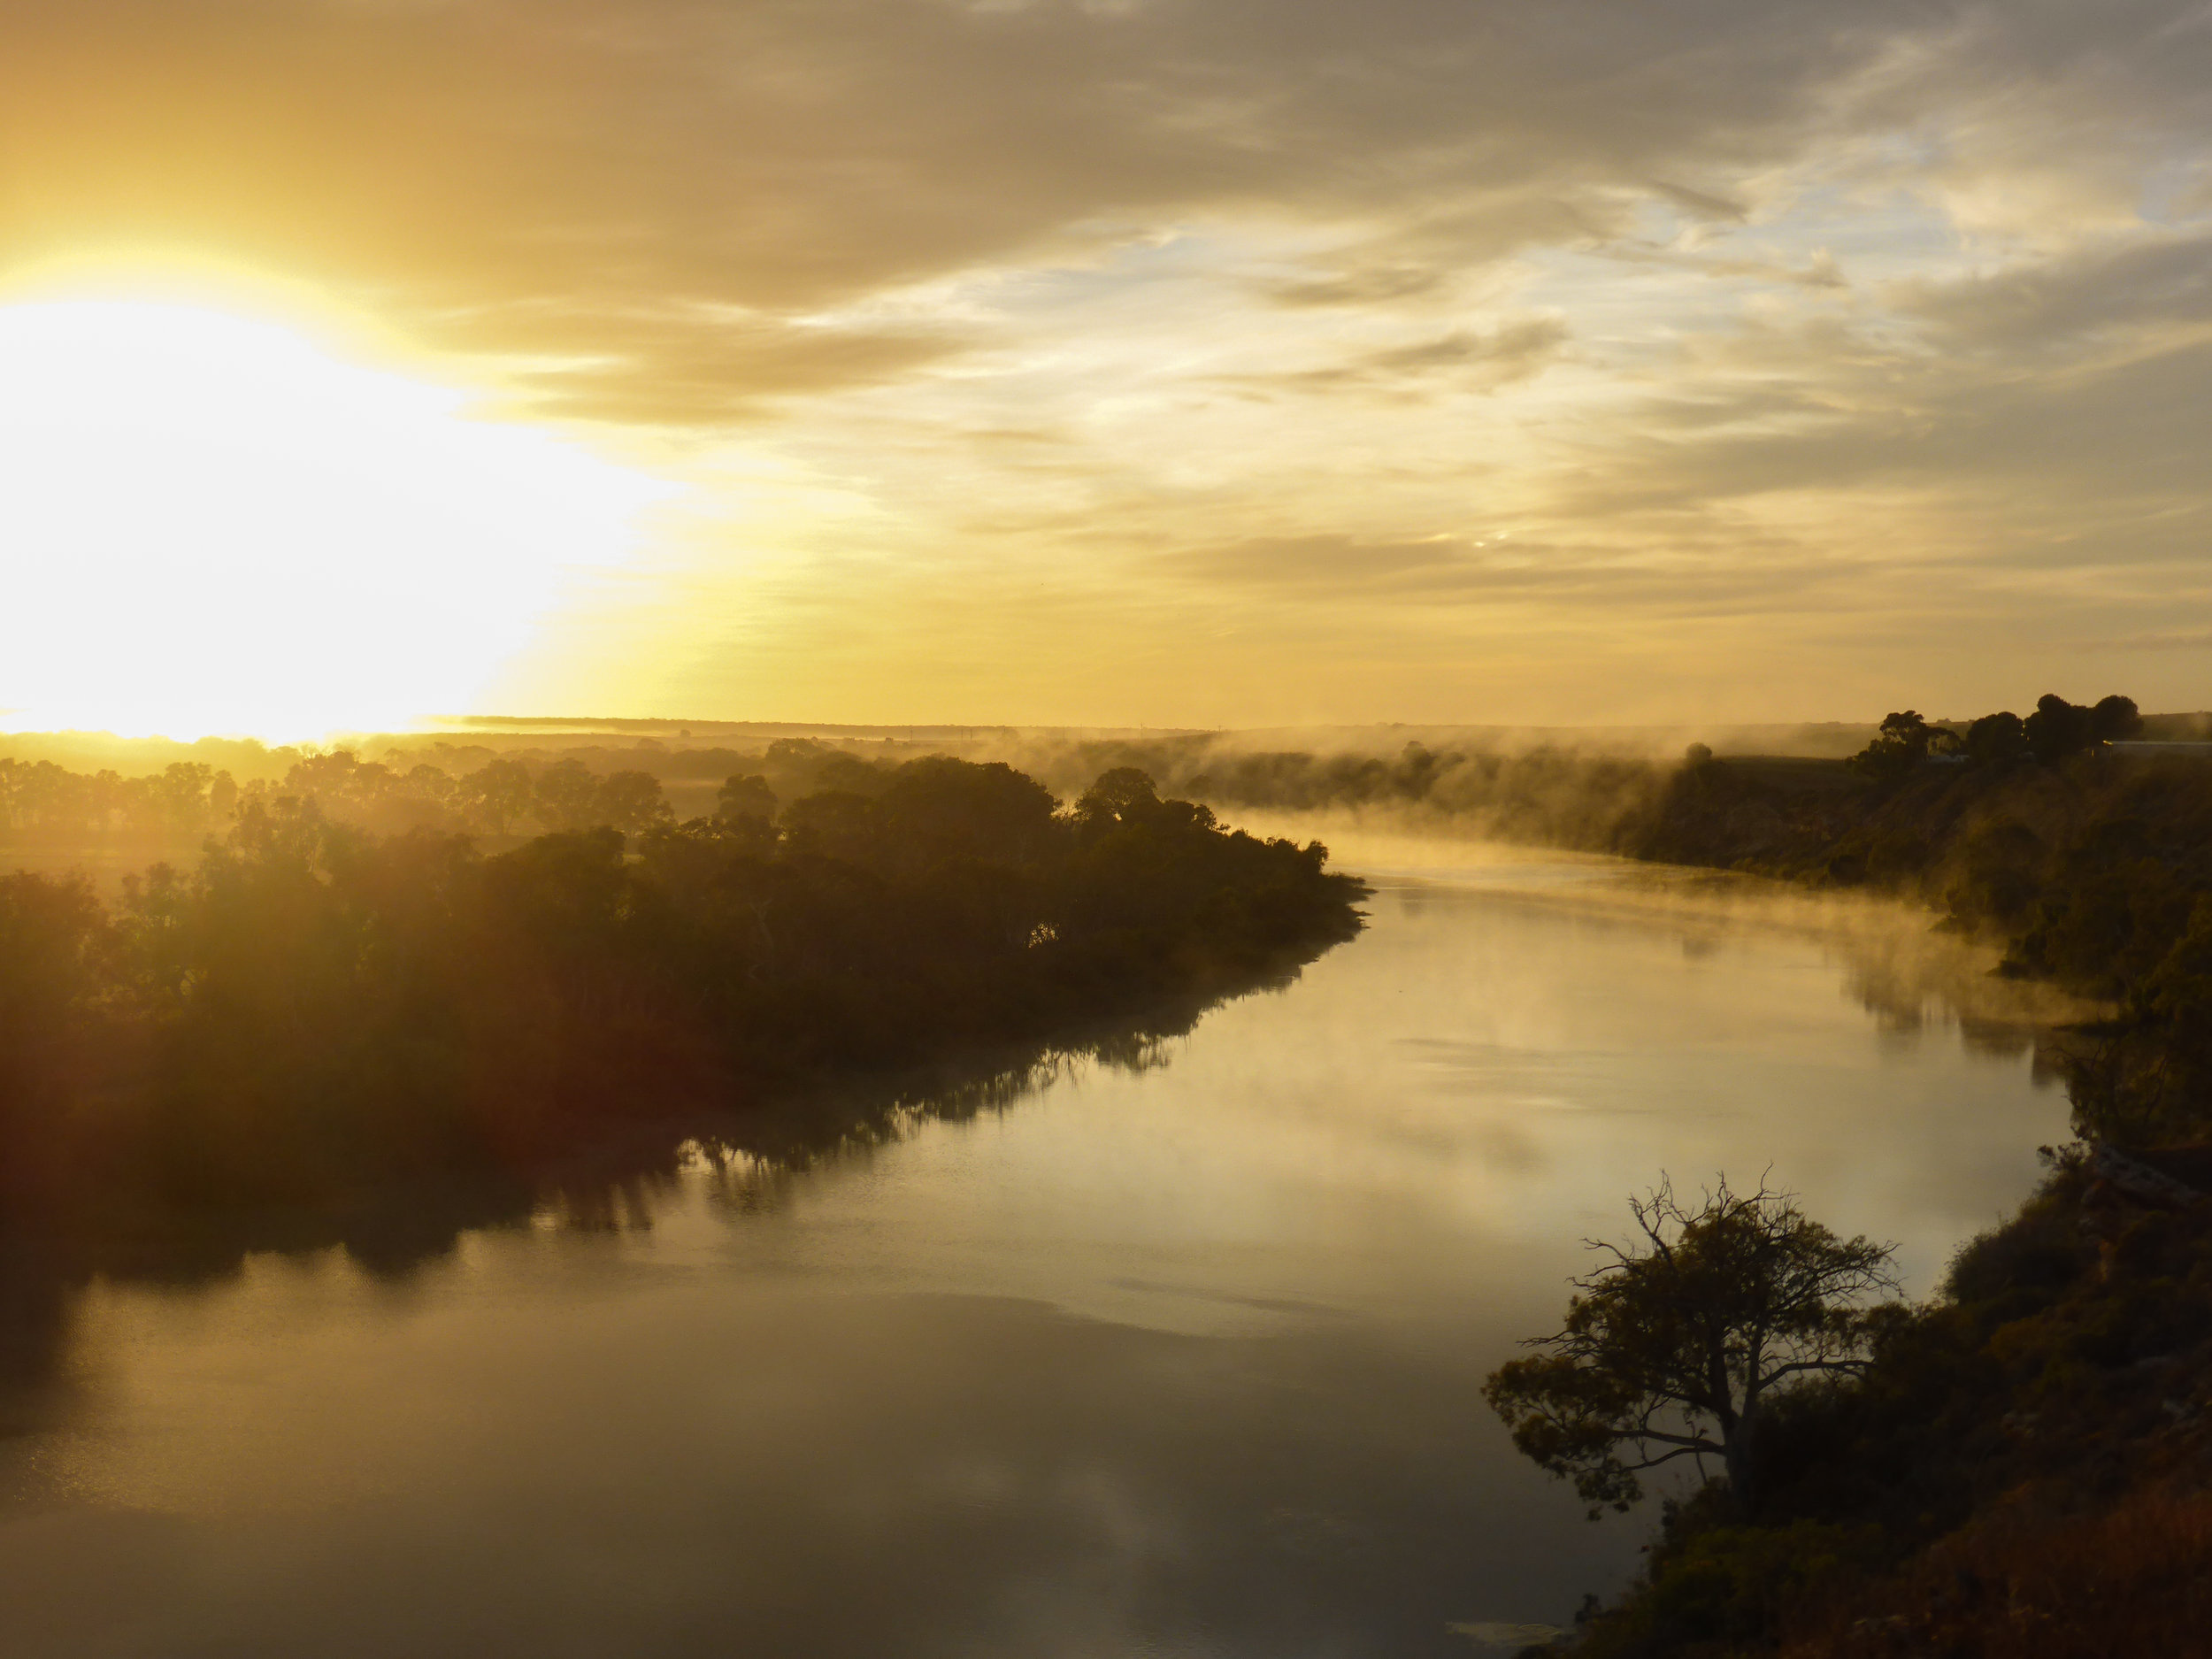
(1177, 1357)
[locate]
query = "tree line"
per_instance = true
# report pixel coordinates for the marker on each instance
(2087, 868)
(316, 1008)
(191, 797)
(2017, 1465)
(499, 797)
(2057, 731)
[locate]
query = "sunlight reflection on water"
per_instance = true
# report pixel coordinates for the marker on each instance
(1180, 1360)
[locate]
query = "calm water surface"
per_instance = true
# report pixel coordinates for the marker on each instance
(1179, 1360)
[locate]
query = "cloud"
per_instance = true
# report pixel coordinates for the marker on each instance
(1374, 285)
(2136, 287)
(1871, 318)
(593, 160)
(1465, 358)
(691, 371)
(1701, 204)
(1340, 568)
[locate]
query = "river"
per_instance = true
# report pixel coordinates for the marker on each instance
(1177, 1357)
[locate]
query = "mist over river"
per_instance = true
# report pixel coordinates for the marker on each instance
(1180, 1358)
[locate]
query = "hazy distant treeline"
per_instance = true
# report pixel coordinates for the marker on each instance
(2014, 1471)
(2092, 866)
(1543, 795)
(316, 1007)
(499, 796)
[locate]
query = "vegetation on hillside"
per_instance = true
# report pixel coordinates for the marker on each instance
(2051, 1409)
(2021, 1467)
(2090, 867)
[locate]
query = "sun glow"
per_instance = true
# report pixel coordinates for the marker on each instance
(210, 524)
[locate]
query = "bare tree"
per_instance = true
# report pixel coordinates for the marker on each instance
(1675, 1347)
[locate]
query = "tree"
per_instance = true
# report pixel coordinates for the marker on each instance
(495, 794)
(54, 935)
(1996, 738)
(1677, 1347)
(565, 797)
(1119, 795)
(2059, 728)
(745, 797)
(632, 802)
(2114, 719)
(939, 807)
(1906, 741)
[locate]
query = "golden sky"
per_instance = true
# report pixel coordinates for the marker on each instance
(1145, 361)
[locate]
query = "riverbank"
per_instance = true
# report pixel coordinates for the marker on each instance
(2026, 1469)
(317, 1012)
(1177, 1348)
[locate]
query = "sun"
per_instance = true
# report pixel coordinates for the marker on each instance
(210, 522)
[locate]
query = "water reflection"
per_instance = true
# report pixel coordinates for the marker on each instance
(1170, 1347)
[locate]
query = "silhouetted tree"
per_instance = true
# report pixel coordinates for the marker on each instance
(832, 823)
(496, 794)
(938, 808)
(53, 939)
(1905, 741)
(2059, 728)
(632, 802)
(805, 765)
(317, 1007)
(1996, 738)
(745, 797)
(1118, 796)
(1678, 1346)
(2114, 719)
(565, 797)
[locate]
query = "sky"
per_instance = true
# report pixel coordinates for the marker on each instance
(1165, 362)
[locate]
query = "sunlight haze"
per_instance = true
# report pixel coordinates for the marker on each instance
(886, 829)
(239, 533)
(1184, 362)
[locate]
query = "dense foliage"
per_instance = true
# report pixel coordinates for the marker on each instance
(2053, 1408)
(317, 1007)
(468, 790)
